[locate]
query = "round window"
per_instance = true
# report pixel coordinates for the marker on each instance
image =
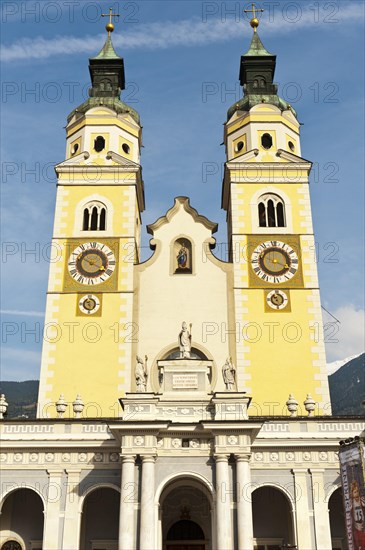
(291, 146)
(11, 545)
(99, 144)
(239, 146)
(74, 148)
(126, 148)
(266, 141)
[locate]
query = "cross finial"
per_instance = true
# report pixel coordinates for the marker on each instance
(109, 26)
(254, 21)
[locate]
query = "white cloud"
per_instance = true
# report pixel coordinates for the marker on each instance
(347, 338)
(20, 313)
(20, 364)
(167, 34)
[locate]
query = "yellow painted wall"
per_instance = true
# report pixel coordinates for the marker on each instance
(279, 351)
(90, 355)
(72, 363)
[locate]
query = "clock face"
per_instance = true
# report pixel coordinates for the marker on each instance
(274, 262)
(277, 299)
(91, 263)
(89, 304)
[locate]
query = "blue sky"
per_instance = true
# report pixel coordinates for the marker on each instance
(182, 63)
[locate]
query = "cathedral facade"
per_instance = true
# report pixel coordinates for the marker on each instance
(183, 401)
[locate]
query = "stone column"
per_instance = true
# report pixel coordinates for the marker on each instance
(223, 503)
(128, 494)
(147, 530)
(71, 530)
(321, 512)
(244, 503)
(52, 512)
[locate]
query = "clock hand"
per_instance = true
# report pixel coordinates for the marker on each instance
(282, 265)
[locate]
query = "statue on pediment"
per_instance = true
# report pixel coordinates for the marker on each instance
(185, 341)
(141, 374)
(229, 374)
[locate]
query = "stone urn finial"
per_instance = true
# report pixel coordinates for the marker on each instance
(292, 405)
(3, 406)
(61, 406)
(310, 405)
(78, 406)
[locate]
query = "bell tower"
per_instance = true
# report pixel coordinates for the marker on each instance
(89, 331)
(279, 345)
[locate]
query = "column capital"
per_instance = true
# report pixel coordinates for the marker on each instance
(73, 472)
(55, 472)
(148, 458)
(243, 457)
(128, 458)
(221, 457)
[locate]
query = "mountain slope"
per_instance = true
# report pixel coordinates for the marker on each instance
(347, 387)
(22, 398)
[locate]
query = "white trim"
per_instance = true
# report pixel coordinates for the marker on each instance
(93, 488)
(5, 495)
(200, 481)
(279, 488)
(332, 492)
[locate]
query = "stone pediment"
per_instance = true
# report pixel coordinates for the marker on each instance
(181, 203)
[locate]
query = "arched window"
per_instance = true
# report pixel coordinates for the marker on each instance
(271, 211)
(94, 218)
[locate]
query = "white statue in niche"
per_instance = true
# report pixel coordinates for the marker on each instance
(185, 341)
(141, 374)
(229, 374)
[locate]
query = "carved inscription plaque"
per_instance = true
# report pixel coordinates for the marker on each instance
(185, 381)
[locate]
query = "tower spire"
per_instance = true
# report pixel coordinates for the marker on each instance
(254, 21)
(257, 72)
(107, 76)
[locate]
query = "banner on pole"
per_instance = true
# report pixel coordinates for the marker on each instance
(352, 465)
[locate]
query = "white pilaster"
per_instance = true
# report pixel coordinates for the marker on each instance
(71, 530)
(147, 531)
(127, 492)
(52, 511)
(321, 512)
(244, 503)
(303, 512)
(223, 503)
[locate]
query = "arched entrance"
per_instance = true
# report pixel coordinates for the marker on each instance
(185, 515)
(100, 519)
(272, 519)
(22, 520)
(337, 520)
